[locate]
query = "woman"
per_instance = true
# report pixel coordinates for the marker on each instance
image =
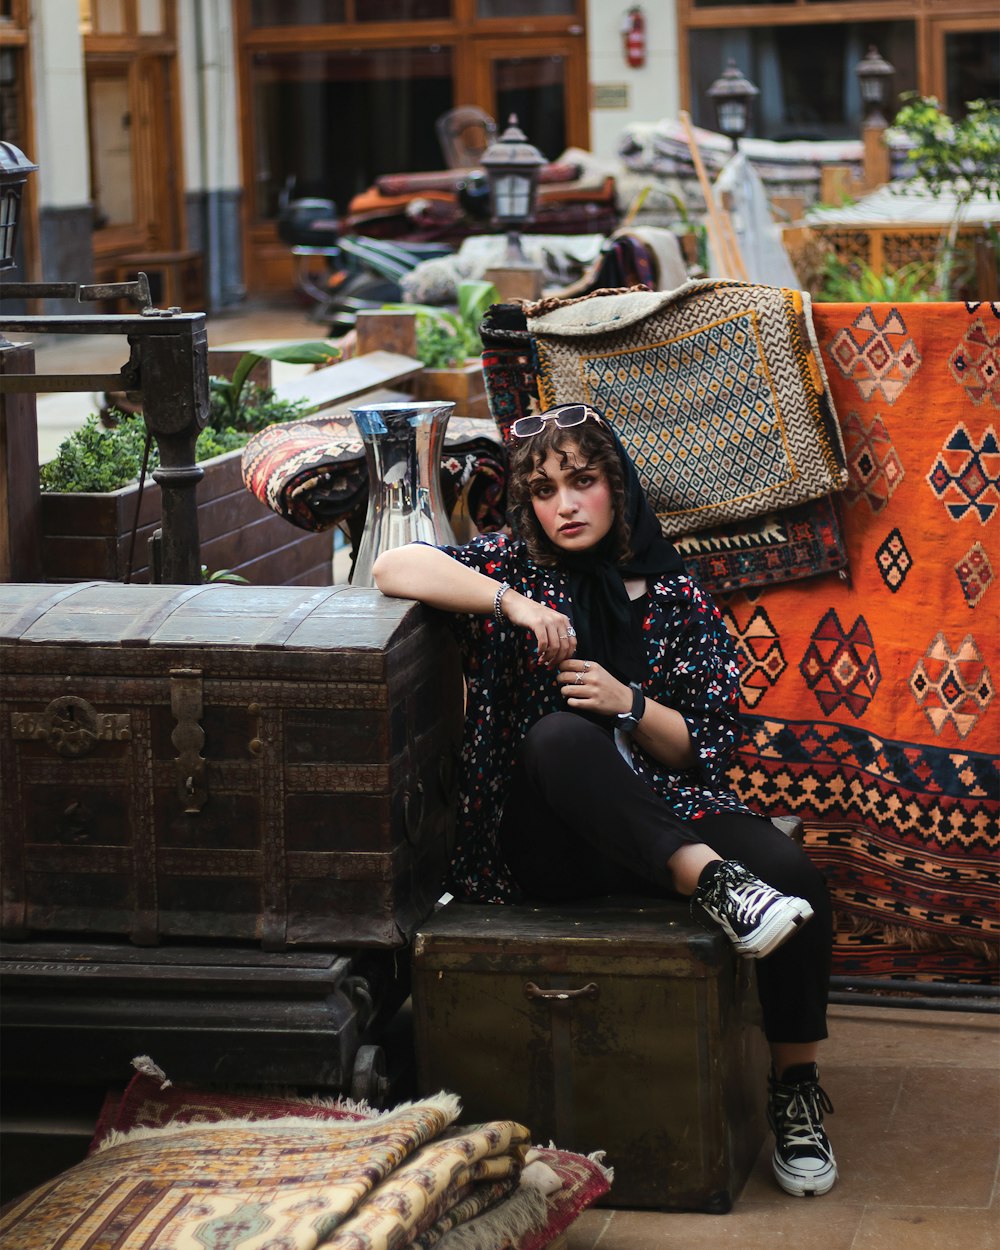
(601, 715)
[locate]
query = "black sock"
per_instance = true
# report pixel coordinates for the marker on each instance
(707, 874)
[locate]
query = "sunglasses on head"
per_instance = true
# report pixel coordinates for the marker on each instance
(565, 418)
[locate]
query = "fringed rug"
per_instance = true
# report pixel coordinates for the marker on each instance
(456, 1188)
(804, 541)
(871, 703)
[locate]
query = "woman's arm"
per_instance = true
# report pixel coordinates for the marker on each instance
(433, 577)
(662, 732)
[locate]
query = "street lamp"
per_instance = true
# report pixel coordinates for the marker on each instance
(14, 170)
(733, 94)
(512, 166)
(874, 72)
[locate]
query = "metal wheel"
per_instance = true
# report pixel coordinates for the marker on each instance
(369, 1082)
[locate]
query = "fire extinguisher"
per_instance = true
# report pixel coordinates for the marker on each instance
(634, 36)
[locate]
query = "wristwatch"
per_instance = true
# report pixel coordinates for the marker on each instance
(629, 721)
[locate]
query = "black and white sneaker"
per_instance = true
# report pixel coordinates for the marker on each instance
(755, 918)
(803, 1159)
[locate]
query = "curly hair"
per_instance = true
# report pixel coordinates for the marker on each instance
(592, 442)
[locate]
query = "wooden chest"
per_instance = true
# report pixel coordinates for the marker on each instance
(224, 762)
(601, 1026)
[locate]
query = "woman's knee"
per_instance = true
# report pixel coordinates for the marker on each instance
(793, 872)
(559, 743)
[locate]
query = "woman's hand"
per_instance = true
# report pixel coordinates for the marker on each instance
(553, 630)
(585, 684)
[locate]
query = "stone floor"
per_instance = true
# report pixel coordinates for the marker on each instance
(917, 1137)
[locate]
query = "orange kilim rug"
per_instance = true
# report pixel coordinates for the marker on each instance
(870, 697)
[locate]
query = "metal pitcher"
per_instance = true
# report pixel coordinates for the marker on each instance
(403, 445)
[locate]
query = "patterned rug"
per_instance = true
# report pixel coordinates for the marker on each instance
(871, 702)
(715, 390)
(433, 1191)
(313, 472)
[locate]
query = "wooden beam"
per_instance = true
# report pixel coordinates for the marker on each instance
(20, 501)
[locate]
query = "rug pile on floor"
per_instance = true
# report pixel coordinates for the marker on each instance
(175, 1168)
(870, 699)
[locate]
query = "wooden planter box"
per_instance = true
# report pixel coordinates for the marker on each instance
(464, 386)
(87, 536)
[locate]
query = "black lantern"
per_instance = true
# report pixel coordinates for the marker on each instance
(512, 166)
(14, 170)
(874, 72)
(733, 95)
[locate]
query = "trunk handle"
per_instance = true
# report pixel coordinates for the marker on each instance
(531, 990)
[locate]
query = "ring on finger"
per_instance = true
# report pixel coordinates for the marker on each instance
(579, 680)
(586, 666)
(570, 631)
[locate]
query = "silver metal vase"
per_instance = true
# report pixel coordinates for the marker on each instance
(403, 445)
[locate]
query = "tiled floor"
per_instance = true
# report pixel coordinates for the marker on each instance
(917, 1137)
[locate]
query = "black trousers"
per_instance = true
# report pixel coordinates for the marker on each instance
(578, 823)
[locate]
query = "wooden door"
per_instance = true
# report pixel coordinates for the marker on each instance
(543, 80)
(134, 156)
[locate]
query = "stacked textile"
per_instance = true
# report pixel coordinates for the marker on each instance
(195, 1169)
(660, 152)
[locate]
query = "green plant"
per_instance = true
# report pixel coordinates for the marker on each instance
(688, 226)
(445, 339)
(856, 283)
(94, 458)
(962, 158)
(234, 400)
(223, 575)
(97, 459)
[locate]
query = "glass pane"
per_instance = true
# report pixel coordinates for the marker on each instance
(535, 89)
(525, 8)
(10, 96)
(972, 68)
(795, 101)
(335, 121)
(402, 10)
(111, 140)
(150, 17)
(109, 17)
(296, 12)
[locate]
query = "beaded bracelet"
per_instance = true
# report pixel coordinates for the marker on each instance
(501, 591)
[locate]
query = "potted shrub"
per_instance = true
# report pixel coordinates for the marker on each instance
(100, 508)
(448, 345)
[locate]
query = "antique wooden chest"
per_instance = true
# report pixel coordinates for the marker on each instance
(224, 762)
(614, 1025)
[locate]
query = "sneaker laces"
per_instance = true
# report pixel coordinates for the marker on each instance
(734, 893)
(796, 1116)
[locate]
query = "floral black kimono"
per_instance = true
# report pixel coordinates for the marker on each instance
(691, 666)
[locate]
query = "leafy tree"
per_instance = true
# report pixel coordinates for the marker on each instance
(961, 157)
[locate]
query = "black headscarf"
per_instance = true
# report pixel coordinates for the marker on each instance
(607, 631)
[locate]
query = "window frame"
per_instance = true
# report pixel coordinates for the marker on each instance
(931, 19)
(471, 39)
